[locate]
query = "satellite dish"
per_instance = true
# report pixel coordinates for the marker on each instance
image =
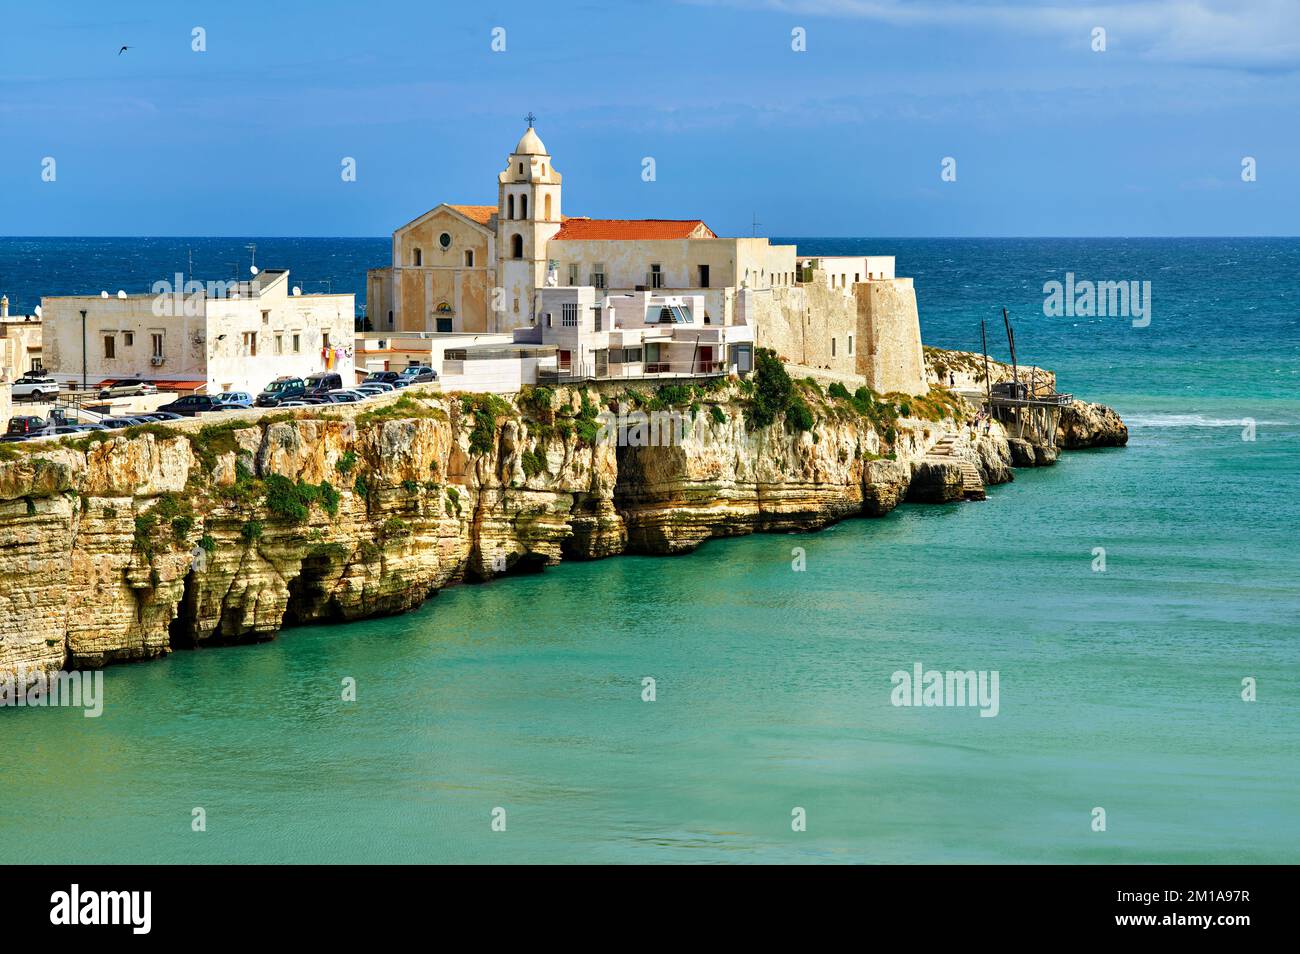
(120, 293)
(38, 311)
(253, 269)
(296, 291)
(103, 294)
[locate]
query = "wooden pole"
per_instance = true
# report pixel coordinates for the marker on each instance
(1011, 342)
(988, 378)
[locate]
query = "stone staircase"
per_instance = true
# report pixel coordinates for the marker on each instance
(949, 448)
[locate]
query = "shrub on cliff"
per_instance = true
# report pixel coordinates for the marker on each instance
(772, 388)
(293, 501)
(533, 463)
(347, 460)
(485, 409)
(799, 415)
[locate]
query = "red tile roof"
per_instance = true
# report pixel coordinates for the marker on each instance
(580, 229)
(479, 213)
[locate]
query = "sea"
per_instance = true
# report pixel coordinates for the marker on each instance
(1140, 607)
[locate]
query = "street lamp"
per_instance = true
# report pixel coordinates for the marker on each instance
(83, 349)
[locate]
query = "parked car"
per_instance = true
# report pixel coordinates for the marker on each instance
(193, 404)
(35, 385)
(323, 382)
(373, 390)
(127, 389)
(236, 398)
(344, 397)
(25, 424)
(280, 390)
(382, 377)
(164, 416)
(295, 402)
(418, 374)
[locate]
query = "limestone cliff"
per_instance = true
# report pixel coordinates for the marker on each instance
(125, 546)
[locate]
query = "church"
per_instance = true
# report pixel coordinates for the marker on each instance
(486, 269)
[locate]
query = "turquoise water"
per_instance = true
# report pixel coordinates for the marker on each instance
(1118, 689)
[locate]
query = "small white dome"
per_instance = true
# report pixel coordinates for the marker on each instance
(530, 144)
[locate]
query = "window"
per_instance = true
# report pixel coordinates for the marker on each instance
(656, 276)
(157, 343)
(631, 355)
(417, 257)
(325, 339)
(516, 248)
(523, 206)
(110, 346)
(128, 338)
(569, 314)
(598, 276)
(296, 345)
(857, 277)
(266, 317)
(469, 258)
(516, 306)
(443, 325)
(521, 168)
(279, 344)
(250, 343)
(832, 347)
(573, 274)
(850, 344)
(548, 201)
(704, 276)
(510, 207)
(598, 318)
(445, 240)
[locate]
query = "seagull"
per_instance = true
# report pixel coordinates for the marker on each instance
(123, 50)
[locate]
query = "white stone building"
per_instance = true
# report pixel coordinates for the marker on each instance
(235, 336)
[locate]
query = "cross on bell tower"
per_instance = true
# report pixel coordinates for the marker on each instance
(531, 119)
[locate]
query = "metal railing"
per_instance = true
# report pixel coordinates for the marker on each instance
(587, 371)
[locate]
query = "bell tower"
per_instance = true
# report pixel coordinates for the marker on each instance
(528, 215)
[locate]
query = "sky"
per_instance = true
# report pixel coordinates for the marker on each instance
(847, 136)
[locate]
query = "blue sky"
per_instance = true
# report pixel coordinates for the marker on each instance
(845, 138)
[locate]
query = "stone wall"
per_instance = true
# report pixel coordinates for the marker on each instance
(889, 350)
(870, 329)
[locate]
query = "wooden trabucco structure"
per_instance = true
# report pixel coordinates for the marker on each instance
(1027, 409)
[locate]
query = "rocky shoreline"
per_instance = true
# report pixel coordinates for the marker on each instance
(203, 533)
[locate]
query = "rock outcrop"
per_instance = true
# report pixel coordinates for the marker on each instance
(1090, 425)
(125, 546)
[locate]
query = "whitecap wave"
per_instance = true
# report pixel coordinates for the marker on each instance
(1195, 420)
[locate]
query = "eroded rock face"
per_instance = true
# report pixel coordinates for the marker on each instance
(1090, 425)
(129, 547)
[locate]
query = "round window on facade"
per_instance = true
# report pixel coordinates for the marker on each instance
(445, 240)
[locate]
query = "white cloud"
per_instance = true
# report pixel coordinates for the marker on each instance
(1244, 34)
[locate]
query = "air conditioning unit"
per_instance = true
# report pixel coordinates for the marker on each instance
(156, 360)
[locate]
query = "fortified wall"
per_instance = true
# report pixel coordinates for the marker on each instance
(870, 329)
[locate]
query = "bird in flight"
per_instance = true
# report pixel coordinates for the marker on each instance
(123, 50)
